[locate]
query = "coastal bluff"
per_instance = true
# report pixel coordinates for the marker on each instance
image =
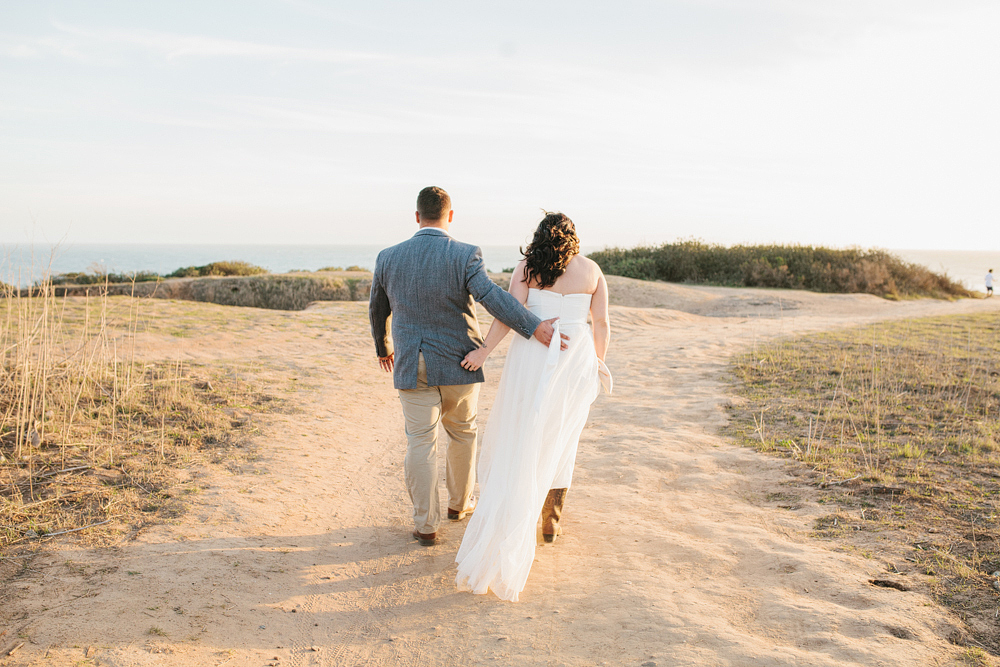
(285, 291)
(297, 290)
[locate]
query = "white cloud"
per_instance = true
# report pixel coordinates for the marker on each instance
(19, 51)
(778, 119)
(174, 45)
(29, 48)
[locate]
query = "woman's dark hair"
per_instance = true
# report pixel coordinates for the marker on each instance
(554, 244)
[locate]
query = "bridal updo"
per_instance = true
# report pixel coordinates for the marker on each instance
(554, 244)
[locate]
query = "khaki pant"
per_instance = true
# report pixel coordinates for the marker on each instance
(454, 406)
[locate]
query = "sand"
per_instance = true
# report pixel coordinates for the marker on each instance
(672, 554)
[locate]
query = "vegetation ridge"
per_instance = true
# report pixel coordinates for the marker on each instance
(814, 268)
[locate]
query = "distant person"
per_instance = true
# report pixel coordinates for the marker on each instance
(989, 283)
(541, 407)
(427, 284)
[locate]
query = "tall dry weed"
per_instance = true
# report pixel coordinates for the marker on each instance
(90, 434)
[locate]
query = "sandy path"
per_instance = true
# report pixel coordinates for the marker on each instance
(672, 555)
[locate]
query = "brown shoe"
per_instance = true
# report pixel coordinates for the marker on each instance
(458, 515)
(552, 513)
(426, 539)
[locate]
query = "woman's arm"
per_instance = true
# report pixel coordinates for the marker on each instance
(498, 330)
(599, 317)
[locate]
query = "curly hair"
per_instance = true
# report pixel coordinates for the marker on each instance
(555, 243)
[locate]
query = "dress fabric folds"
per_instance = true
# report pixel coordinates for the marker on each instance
(529, 445)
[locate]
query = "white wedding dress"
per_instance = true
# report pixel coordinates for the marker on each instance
(530, 444)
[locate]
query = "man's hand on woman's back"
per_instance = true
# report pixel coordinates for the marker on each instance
(543, 333)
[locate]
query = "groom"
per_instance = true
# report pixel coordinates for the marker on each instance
(427, 285)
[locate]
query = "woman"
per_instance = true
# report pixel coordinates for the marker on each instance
(540, 409)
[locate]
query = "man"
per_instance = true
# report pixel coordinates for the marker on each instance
(989, 283)
(427, 284)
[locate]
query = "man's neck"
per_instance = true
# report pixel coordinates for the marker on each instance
(442, 223)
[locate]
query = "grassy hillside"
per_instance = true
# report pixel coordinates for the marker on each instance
(790, 266)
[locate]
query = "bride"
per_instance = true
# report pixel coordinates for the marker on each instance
(529, 448)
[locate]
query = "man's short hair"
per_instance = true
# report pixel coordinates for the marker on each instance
(433, 203)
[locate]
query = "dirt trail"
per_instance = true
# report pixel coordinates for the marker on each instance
(672, 554)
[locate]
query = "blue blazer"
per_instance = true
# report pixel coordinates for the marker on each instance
(427, 285)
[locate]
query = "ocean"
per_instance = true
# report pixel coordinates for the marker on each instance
(22, 264)
(968, 267)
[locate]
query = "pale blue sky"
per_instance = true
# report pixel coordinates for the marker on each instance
(846, 122)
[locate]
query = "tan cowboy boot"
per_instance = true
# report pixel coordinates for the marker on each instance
(551, 513)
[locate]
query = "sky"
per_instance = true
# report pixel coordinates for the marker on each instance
(833, 122)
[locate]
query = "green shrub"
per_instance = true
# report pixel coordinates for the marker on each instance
(218, 269)
(352, 267)
(812, 268)
(97, 277)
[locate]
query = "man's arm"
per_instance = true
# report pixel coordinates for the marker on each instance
(497, 302)
(509, 307)
(379, 312)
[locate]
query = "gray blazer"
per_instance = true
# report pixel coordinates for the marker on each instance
(427, 284)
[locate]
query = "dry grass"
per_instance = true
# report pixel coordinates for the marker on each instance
(901, 423)
(91, 438)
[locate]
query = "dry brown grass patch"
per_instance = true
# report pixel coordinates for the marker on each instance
(94, 441)
(901, 423)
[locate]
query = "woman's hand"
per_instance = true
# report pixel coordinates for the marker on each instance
(474, 360)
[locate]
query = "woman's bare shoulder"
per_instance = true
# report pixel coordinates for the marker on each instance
(587, 266)
(583, 274)
(518, 274)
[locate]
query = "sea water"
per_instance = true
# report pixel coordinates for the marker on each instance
(24, 264)
(967, 267)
